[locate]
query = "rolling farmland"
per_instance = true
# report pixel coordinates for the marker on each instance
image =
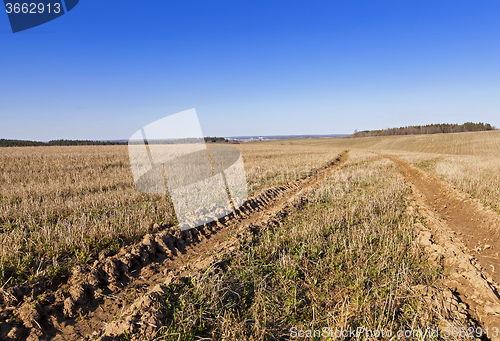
(386, 233)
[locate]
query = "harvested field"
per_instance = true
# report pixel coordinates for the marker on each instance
(399, 233)
(112, 274)
(60, 206)
(344, 259)
(270, 165)
(485, 143)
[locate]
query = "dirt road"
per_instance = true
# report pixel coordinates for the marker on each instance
(465, 235)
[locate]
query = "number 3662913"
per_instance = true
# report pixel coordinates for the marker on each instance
(32, 8)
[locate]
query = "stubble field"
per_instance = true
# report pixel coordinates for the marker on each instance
(60, 206)
(347, 250)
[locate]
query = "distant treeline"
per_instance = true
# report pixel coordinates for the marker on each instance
(427, 129)
(20, 143)
(217, 139)
(185, 140)
(84, 143)
(25, 143)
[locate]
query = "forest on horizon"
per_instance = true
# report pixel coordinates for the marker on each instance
(427, 129)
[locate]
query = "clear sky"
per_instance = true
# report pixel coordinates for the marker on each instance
(108, 68)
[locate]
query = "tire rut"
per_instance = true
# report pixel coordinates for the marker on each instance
(464, 236)
(120, 291)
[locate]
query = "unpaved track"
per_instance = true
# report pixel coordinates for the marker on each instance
(466, 236)
(120, 291)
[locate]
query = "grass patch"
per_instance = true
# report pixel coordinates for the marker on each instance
(343, 261)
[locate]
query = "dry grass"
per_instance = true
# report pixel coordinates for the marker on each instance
(268, 165)
(470, 161)
(478, 176)
(62, 205)
(485, 143)
(346, 260)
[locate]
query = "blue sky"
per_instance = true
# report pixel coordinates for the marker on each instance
(108, 68)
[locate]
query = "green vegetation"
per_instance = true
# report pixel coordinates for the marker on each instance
(84, 143)
(215, 139)
(20, 143)
(26, 143)
(427, 129)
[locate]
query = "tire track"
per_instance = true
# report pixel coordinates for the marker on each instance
(121, 291)
(464, 235)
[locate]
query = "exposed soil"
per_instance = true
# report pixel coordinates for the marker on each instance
(120, 292)
(465, 235)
